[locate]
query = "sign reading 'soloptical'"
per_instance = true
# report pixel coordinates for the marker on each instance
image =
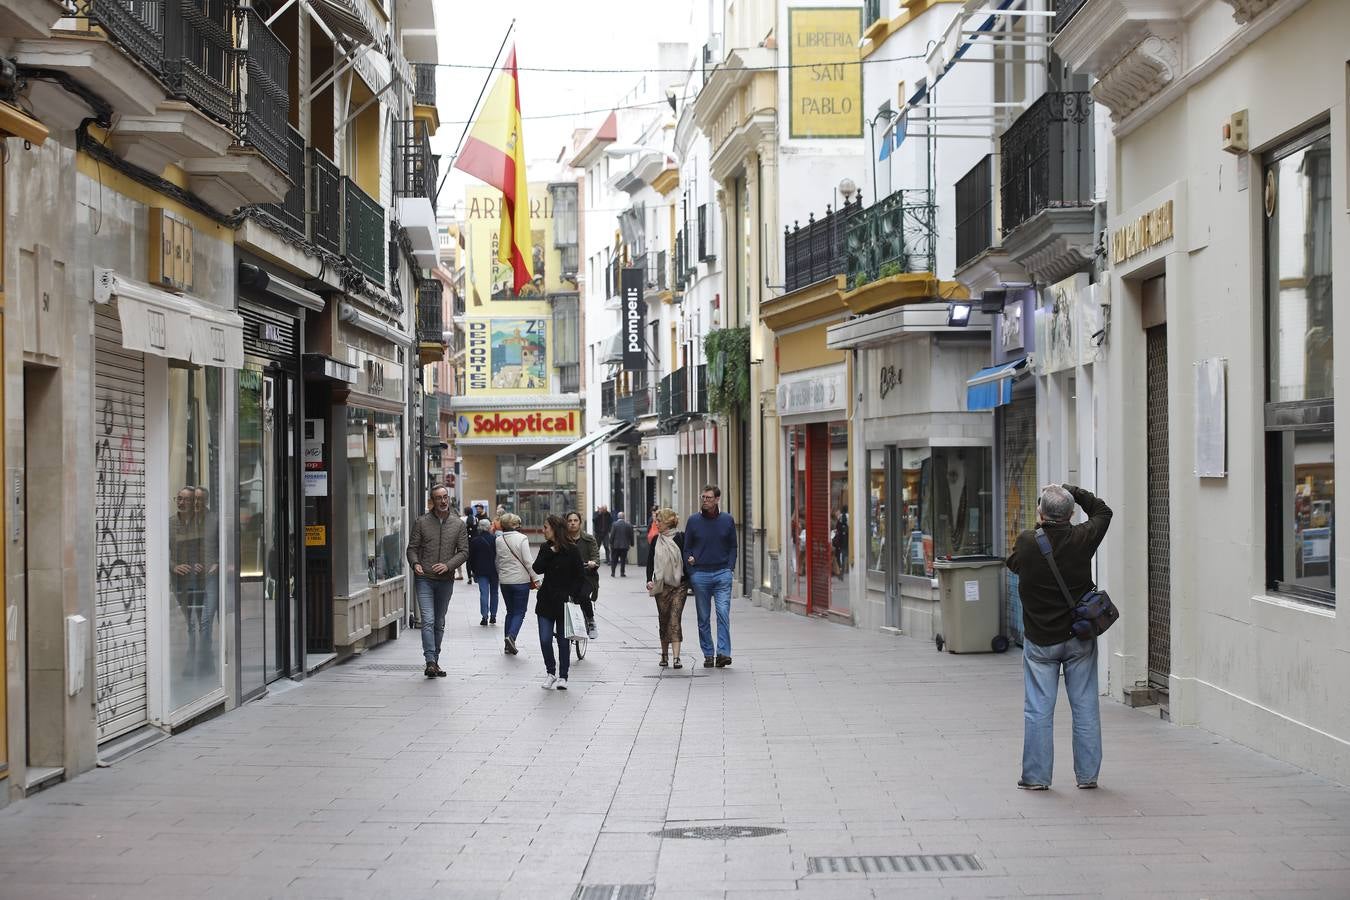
(825, 86)
(519, 423)
(634, 321)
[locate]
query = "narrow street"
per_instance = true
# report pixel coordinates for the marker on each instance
(369, 780)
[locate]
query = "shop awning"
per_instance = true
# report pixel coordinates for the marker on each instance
(346, 18)
(577, 446)
(992, 387)
(174, 326)
(611, 349)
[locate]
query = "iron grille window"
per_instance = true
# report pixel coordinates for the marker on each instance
(262, 120)
(199, 55)
(417, 168)
(363, 232)
(569, 379)
(974, 211)
(424, 84)
(702, 232)
(1300, 387)
(1046, 157)
(291, 211)
(138, 25)
(325, 202)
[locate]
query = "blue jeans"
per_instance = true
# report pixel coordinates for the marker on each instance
(709, 587)
(487, 587)
(1041, 667)
(433, 599)
(517, 597)
(548, 629)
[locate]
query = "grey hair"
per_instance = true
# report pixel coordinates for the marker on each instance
(1055, 504)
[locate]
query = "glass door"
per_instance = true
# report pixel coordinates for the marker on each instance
(265, 580)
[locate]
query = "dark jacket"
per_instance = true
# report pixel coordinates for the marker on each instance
(621, 534)
(433, 541)
(711, 541)
(602, 522)
(483, 555)
(1046, 619)
(678, 538)
(564, 580)
(589, 548)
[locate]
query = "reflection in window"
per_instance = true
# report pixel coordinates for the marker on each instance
(876, 510)
(1300, 425)
(534, 496)
(374, 497)
(947, 499)
(194, 533)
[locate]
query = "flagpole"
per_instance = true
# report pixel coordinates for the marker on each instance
(482, 90)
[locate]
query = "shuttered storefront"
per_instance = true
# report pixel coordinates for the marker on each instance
(1020, 491)
(120, 517)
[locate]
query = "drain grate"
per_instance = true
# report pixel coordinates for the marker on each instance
(390, 667)
(934, 863)
(716, 832)
(615, 892)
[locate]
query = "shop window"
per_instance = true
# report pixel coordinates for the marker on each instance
(947, 498)
(375, 541)
(1299, 410)
(194, 534)
(876, 511)
(534, 496)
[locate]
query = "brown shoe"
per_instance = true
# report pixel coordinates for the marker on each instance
(430, 670)
(723, 662)
(440, 673)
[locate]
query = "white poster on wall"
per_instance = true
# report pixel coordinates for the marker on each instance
(1211, 418)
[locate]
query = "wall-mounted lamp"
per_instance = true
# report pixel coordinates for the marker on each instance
(958, 314)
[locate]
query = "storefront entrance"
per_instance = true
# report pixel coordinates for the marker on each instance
(819, 521)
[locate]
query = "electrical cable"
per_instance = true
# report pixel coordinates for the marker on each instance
(619, 71)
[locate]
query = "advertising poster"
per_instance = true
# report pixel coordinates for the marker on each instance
(519, 354)
(825, 88)
(490, 278)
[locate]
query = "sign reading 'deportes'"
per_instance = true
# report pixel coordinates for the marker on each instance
(519, 423)
(634, 321)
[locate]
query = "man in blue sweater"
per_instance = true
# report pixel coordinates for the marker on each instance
(710, 543)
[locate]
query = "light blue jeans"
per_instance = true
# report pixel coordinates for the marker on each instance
(487, 587)
(1041, 666)
(710, 587)
(433, 599)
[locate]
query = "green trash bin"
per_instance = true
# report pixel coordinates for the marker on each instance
(968, 592)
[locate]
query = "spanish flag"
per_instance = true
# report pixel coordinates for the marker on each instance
(494, 152)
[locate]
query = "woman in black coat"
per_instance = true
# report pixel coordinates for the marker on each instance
(559, 562)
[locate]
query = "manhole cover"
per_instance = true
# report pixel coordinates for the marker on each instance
(716, 832)
(893, 865)
(615, 892)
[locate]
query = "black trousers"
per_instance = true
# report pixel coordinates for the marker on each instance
(618, 559)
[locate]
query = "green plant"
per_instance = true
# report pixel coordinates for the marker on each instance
(732, 347)
(888, 269)
(859, 280)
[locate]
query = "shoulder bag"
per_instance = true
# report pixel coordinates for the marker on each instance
(1094, 612)
(534, 582)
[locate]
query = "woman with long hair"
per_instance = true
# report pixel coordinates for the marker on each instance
(668, 582)
(513, 576)
(559, 562)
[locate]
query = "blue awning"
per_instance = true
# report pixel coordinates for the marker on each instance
(992, 387)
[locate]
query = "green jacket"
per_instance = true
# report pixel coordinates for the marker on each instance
(590, 552)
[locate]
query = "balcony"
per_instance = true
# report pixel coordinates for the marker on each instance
(814, 252)
(975, 211)
(424, 84)
(655, 265)
(262, 122)
(291, 211)
(893, 236)
(1046, 175)
(430, 322)
(325, 202)
(363, 234)
(607, 404)
(199, 54)
(416, 178)
(673, 398)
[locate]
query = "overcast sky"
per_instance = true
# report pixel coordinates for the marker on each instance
(553, 33)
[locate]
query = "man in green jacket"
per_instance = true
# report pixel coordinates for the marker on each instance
(438, 545)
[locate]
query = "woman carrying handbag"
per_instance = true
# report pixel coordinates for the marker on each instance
(514, 578)
(559, 562)
(668, 582)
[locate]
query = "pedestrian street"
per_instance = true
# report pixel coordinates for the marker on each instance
(826, 762)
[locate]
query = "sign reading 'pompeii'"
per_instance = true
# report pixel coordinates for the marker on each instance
(826, 83)
(506, 356)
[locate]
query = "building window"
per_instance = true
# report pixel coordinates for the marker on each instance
(534, 496)
(947, 499)
(374, 497)
(1299, 411)
(566, 331)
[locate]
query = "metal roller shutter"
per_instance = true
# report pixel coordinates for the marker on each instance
(119, 511)
(1159, 513)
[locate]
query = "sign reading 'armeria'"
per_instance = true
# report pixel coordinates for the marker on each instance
(634, 321)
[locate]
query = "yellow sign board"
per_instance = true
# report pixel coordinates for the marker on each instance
(825, 86)
(1144, 233)
(506, 355)
(489, 278)
(316, 535)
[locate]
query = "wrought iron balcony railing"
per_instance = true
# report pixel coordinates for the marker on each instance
(264, 66)
(199, 55)
(681, 266)
(663, 399)
(137, 25)
(1047, 157)
(890, 237)
(417, 174)
(815, 251)
(607, 404)
(424, 84)
(363, 232)
(325, 202)
(673, 396)
(291, 211)
(430, 312)
(1064, 11)
(975, 211)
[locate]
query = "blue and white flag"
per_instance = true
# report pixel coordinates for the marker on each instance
(893, 138)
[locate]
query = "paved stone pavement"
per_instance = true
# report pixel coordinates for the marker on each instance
(370, 781)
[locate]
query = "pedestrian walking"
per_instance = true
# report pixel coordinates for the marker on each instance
(470, 528)
(653, 527)
(601, 523)
(668, 583)
(589, 548)
(483, 560)
(620, 541)
(513, 577)
(710, 549)
(564, 581)
(1048, 643)
(437, 546)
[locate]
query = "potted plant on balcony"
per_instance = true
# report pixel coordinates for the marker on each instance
(728, 354)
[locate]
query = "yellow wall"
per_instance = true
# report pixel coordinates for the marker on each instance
(479, 478)
(806, 349)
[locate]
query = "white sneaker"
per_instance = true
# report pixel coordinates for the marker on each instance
(549, 682)
(562, 684)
